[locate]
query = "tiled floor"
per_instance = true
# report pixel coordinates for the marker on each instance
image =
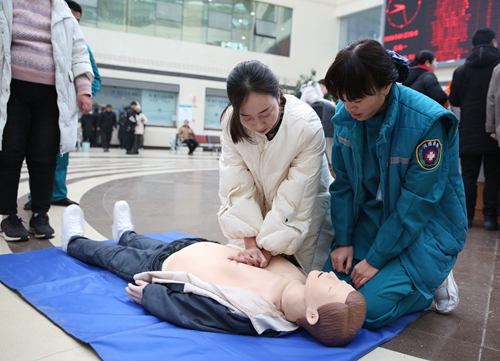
(169, 191)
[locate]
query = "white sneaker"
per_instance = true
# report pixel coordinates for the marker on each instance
(446, 297)
(122, 220)
(72, 225)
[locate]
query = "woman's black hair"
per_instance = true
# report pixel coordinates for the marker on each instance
(362, 68)
(422, 57)
(247, 77)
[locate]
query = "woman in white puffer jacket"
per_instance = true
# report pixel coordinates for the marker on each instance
(274, 176)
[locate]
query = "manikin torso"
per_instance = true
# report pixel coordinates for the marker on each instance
(212, 266)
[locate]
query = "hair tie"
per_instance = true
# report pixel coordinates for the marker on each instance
(402, 65)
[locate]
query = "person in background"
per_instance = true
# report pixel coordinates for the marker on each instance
(38, 105)
(130, 124)
(469, 90)
(397, 202)
(311, 92)
(139, 129)
(274, 174)
(105, 124)
(60, 192)
(493, 106)
(422, 78)
(186, 133)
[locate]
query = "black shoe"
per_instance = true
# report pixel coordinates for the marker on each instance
(40, 226)
(13, 229)
(490, 223)
(62, 202)
(27, 206)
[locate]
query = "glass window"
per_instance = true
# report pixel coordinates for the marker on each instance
(194, 21)
(245, 25)
(160, 107)
(214, 106)
(169, 19)
(89, 15)
(141, 17)
(362, 25)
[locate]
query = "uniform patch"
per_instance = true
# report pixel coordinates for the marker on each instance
(429, 154)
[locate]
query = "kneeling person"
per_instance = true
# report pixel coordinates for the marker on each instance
(194, 277)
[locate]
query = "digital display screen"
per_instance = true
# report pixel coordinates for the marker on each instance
(444, 27)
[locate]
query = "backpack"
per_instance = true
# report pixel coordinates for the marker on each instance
(122, 117)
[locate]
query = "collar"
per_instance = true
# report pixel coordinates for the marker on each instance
(424, 67)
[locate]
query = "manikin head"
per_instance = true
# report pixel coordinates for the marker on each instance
(255, 96)
(335, 310)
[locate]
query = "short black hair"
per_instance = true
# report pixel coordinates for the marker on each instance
(483, 36)
(73, 5)
(133, 103)
(360, 69)
(423, 56)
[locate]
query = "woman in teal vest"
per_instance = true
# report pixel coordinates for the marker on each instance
(398, 204)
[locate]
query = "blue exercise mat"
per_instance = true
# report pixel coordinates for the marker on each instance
(91, 305)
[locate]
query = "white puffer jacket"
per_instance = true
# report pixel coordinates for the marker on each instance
(71, 60)
(277, 191)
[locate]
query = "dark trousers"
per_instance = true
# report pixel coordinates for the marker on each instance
(106, 138)
(32, 133)
(133, 254)
(138, 142)
(129, 141)
(471, 165)
(191, 144)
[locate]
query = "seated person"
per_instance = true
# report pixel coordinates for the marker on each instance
(191, 282)
(186, 133)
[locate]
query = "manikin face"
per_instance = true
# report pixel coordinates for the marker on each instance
(365, 108)
(322, 288)
(259, 112)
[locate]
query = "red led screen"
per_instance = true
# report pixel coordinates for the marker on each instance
(444, 27)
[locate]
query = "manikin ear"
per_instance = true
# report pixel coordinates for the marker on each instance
(312, 315)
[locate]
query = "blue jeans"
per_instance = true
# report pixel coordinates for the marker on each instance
(133, 254)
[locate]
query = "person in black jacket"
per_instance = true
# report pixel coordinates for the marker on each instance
(422, 78)
(105, 124)
(469, 90)
(129, 127)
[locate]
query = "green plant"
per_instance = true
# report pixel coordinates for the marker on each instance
(303, 79)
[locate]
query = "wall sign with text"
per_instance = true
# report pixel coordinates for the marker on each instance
(444, 27)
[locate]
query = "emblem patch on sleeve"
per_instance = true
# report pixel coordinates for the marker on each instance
(429, 154)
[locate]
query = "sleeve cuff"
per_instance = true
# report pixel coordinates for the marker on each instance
(83, 85)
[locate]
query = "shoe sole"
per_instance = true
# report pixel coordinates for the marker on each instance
(14, 239)
(41, 236)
